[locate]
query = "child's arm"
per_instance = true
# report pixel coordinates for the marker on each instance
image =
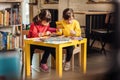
(52, 29)
(77, 29)
(33, 31)
(59, 29)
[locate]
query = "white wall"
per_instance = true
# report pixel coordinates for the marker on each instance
(25, 12)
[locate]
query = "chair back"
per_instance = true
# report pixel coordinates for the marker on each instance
(111, 22)
(97, 21)
(102, 21)
(24, 35)
(105, 29)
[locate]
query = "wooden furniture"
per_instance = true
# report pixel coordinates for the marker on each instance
(103, 33)
(58, 47)
(10, 1)
(11, 21)
(99, 2)
(24, 36)
(90, 16)
(77, 50)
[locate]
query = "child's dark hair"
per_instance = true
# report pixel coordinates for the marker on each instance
(68, 13)
(44, 15)
(36, 19)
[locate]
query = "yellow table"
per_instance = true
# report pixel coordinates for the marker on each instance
(83, 59)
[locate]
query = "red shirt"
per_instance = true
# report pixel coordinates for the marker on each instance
(36, 29)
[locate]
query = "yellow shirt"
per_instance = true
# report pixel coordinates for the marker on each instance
(65, 28)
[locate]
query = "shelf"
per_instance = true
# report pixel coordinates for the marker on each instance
(34, 3)
(10, 1)
(10, 26)
(100, 2)
(8, 50)
(6, 26)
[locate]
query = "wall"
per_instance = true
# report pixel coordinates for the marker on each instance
(41, 5)
(80, 5)
(4, 5)
(25, 12)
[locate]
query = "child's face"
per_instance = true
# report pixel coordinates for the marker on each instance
(69, 21)
(44, 23)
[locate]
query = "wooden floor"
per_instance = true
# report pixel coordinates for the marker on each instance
(97, 66)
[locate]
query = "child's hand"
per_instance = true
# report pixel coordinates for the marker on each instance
(53, 34)
(41, 34)
(72, 32)
(59, 31)
(59, 26)
(48, 33)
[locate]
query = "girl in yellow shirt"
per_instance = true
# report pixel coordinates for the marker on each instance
(68, 27)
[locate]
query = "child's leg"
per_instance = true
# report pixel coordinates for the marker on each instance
(68, 57)
(69, 53)
(52, 51)
(45, 56)
(47, 53)
(32, 48)
(43, 65)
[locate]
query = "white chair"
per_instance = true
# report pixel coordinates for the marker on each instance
(76, 50)
(24, 36)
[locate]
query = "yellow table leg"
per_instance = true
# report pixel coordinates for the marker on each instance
(27, 59)
(83, 56)
(59, 61)
(80, 56)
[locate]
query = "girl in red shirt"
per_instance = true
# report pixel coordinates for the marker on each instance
(41, 27)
